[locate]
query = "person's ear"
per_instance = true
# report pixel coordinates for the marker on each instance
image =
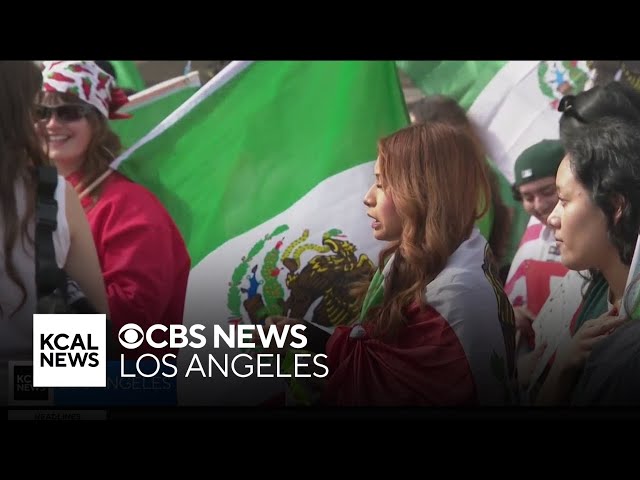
(618, 202)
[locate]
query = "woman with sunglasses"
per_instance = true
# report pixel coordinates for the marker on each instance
(143, 256)
(596, 224)
(20, 152)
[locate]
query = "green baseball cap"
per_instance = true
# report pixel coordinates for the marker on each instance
(538, 161)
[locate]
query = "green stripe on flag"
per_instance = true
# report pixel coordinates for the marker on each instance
(519, 217)
(128, 75)
(462, 80)
(148, 115)
(259, 143)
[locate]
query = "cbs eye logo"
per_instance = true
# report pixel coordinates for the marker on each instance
(131, 336)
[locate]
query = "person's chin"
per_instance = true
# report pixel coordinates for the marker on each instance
(571, 263)
(58, 156)
(61, 160)
(379, 235)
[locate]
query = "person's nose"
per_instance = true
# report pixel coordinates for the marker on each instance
(369, 198)
(553, 220)
(52, 121)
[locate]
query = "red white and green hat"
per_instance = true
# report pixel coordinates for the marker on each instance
(88, 82)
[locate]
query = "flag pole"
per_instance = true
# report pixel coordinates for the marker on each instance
(191, 79)
(95, 183)
(151, 93)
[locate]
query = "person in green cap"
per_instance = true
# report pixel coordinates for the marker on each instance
(538, 256)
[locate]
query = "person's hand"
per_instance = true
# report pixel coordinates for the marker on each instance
(593, 331)
(279, 323)
(527, 364)
(524, 318)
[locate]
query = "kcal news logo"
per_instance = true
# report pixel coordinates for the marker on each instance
(69, 350)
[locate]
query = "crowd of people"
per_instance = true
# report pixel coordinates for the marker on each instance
(447, 319)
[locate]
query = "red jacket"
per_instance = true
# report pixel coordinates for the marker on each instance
(143, 257)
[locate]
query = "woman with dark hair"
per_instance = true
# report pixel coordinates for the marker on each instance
(20, 154)
(597, 218)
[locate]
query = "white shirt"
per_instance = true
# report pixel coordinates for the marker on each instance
(16, 328)
(538, 243)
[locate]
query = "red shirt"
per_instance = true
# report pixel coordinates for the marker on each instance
(143, 257)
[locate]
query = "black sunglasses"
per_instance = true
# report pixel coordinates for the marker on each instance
(64, 113)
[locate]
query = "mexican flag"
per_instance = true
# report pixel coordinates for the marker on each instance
(128, 74)
(264, 170)
(512, 104)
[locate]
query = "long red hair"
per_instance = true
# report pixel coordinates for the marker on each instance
(435, 173)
